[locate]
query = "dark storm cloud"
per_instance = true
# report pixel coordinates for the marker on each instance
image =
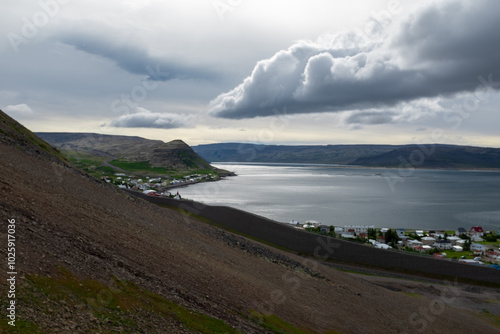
(442, 49)
(133, 58)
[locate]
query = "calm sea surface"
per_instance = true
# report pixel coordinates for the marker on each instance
(427, 199)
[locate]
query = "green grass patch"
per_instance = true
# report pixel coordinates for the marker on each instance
(139, 166)
(276, 324)
(491, 318)
(21, 327)
(122, 304)
(412, 294)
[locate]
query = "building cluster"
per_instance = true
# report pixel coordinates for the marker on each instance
(154, 186)
(418, 240)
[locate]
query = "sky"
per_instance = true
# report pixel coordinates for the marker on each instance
(254, 71)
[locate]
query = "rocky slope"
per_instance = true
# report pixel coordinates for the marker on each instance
(91, 259)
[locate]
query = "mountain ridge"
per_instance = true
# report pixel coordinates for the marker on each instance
(173, 155)
(371, 155)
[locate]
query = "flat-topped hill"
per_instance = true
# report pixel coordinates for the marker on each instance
(174, 155)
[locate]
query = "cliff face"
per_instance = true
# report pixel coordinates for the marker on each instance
(177, 155)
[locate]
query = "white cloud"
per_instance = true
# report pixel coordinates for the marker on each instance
(440, 50)
(144, 118)
(22, 110)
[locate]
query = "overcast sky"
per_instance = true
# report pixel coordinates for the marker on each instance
(274, 71)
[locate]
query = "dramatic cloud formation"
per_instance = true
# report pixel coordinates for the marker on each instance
(442, 49)
(144, 118)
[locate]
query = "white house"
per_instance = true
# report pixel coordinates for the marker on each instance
(414, 243)
(460, 231)
(476, 230)
(400, 232)
(454, 240)
(420, 233)
(428, 240)
(476, 238)
(357, 228)
(478, 248)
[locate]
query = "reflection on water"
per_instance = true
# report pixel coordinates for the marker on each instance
(346, 196)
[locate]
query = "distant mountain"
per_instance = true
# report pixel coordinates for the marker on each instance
(435, 156)
(174, 155)
(418, 156)
(325, 154)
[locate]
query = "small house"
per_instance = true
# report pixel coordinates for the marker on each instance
(428, 240)
(324, 229)
(478, 248)
(460, 231)
(476, 238)
(400, 232)
(384, 230)
(414, 243)
(453, 240)
(476, 230)
(443, 244)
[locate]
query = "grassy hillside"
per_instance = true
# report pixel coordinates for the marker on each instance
(13, 133)
(97, 153)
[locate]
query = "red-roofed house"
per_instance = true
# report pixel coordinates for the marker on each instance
(476, 230)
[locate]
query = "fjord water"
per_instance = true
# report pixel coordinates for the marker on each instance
(336, 195)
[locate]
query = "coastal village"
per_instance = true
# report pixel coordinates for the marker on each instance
(473, 246)
(156, 186)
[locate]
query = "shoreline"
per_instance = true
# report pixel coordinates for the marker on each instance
(333, 165)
